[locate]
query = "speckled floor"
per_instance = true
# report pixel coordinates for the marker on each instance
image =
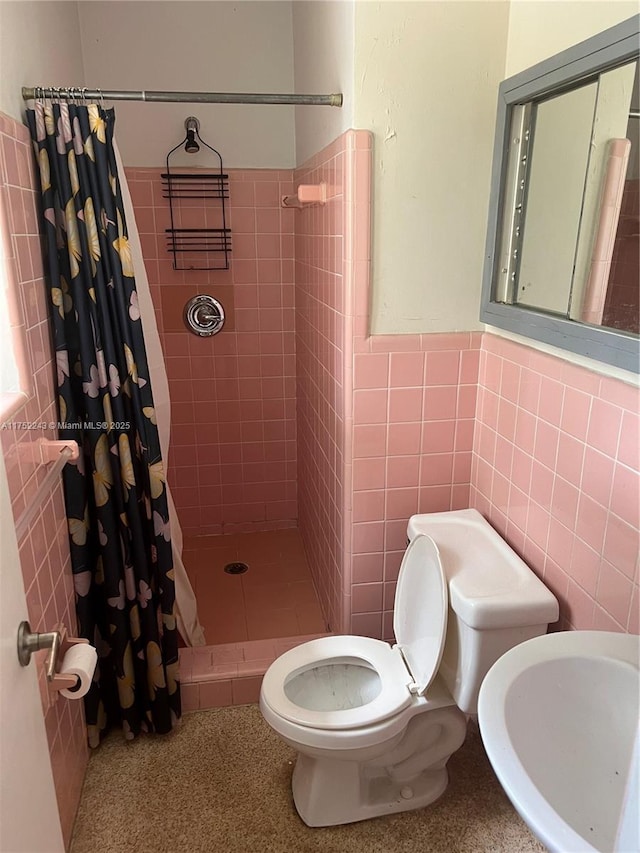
(221, 783)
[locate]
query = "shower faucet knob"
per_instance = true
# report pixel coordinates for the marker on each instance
(204, 315)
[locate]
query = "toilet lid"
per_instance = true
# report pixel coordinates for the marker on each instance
(420, 611)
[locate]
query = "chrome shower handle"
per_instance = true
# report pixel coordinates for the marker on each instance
(204, 315)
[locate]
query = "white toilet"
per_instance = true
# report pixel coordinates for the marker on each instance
(375, 725)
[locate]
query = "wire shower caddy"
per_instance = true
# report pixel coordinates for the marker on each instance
(195, 247)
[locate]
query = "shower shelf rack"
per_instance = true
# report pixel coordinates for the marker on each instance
(184, 243)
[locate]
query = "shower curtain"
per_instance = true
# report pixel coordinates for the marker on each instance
(186, 609)
(116, 496)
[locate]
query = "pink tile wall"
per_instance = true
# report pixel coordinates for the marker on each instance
(44, 549)
(232, 463)
(229, 673)
(622, 306)
(389, 426)
(385, 424)
(332, 262)
(414, 405)
(555, 470)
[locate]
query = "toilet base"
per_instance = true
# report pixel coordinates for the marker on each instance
(412, 774)
(382, 797)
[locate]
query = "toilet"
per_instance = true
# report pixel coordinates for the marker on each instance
(374, 725)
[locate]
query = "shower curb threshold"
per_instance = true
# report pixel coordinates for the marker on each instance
(230, 673)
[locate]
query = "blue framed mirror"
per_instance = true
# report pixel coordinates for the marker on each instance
(563, 235)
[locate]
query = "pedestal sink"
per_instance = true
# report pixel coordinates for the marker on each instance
(559, 719)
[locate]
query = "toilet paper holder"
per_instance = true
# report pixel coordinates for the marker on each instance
(58, 642)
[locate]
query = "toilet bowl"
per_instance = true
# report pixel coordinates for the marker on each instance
(374, 725)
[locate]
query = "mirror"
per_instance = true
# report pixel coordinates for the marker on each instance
(563, 239)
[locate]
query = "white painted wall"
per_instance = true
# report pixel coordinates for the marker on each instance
(323, 51)
(39, 45)
(195, 46)
(426, 81)
(540, 28)
(423, 76)
(558, 166)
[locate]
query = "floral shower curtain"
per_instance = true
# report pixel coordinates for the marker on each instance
(115, 496)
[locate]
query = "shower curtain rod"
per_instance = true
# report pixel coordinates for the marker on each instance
(75, 93)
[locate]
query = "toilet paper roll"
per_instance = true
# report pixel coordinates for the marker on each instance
(80, 659)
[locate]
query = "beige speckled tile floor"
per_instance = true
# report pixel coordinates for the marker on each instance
(221, 782)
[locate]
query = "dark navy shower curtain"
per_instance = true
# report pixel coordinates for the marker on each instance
(115, 495)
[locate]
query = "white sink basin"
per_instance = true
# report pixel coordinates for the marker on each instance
(559, 720)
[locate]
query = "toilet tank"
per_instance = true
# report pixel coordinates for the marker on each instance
(495, 600)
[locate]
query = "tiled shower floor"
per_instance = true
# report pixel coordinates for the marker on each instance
(274, 598)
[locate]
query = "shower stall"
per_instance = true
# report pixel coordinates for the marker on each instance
(256, 416)
(260, 411)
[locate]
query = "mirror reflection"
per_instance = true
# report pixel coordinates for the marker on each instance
(570, 243)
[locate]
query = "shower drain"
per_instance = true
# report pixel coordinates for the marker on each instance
(236, 568)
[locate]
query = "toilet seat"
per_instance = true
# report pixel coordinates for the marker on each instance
(379, 656)
(355, 699)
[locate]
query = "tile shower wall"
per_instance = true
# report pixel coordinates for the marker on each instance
(555, 470)
(320, 332)
(232, 463)
(44, 549)
(385, 424)
(332, 261)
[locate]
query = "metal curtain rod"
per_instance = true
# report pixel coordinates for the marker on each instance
(75, 93)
